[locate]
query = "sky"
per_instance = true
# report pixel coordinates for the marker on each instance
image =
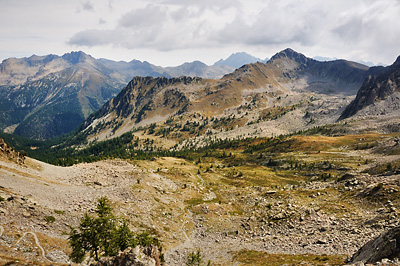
(171, 32)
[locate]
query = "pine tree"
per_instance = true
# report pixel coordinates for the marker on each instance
(100, 236)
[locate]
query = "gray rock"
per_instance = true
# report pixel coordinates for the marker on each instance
(387, 245)
(138, 256)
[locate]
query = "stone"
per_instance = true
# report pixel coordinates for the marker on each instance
(138, 256)
(321, 242)
(384, 246)
(4, 211)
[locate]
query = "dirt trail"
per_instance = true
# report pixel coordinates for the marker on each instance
(36, 242)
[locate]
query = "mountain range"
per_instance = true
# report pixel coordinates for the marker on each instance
(288, 93)
(46, 96)
(289, 161)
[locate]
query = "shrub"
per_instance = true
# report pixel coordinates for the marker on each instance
(195, 259)
(50, 219)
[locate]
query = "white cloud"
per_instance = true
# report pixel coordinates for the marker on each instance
(88, 6)
(159, 27)
(142, 18)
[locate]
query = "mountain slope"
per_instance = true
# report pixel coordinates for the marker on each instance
(15, 71)
(52, 105)
(198, 69)
(381, 88)
(324, 77)
(46, 102)
(47, 96)
(311, 92)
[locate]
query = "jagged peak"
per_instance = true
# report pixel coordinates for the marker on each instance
(76, 57)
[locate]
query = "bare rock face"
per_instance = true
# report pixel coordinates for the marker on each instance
(10, 153)
(385, 246)
(138, 256)
(378, 86)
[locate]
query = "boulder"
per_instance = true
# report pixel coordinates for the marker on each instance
(138, 256)
(387, 245)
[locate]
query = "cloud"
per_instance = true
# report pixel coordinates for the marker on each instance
(149, 16)
(370, 31)
(155, 26)
(94, 37)
(337, 28)
(88, 6)
(277, 23)
(204, 4)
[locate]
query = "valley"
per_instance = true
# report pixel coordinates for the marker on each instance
(307, 198)
(293, 161)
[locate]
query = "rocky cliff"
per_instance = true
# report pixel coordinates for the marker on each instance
(381, 84)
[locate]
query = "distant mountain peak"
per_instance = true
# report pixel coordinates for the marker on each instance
(291, 54)
(195, 63)
(75, 57)
(237, 60)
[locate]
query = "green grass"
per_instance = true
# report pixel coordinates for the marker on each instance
(50, 219)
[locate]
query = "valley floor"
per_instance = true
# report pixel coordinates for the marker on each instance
(317, 207)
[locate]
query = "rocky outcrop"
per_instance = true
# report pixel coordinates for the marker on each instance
(385, 246)
(139, 97)
(9, 152)
(138, 256)
(378, 86)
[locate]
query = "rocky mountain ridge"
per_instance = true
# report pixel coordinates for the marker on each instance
(380, 89)
(54, 101)
(46, 96)
(288, 85)
(44, 101)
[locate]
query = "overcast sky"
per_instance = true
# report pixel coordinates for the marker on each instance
(171, 32)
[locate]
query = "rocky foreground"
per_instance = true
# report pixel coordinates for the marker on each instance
(233, 214)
